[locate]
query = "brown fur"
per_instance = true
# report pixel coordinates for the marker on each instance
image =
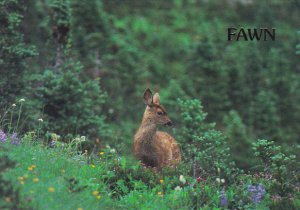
(155, 148)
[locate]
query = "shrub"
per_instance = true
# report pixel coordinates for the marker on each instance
(283, 172)
(70, 104)
(13, 52)
(203, 146)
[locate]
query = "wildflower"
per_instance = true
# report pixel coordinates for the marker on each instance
(223, 198)
(95, 193)
(112, 151)
(160, 193)
(101, 153)
(82, 139)
(3, 136)
(199, 179)
(161, 181)
(218, 180)
(257, 193)
(29, 168)
(51, 189)
(40, 120)
(98, 197)
(52, 143)
(20, 178)
(93, 166)
(36, 180)
(178, 188)
(80, 208)
(22, 100)
(222, 180)
(13, 105)
(182, 179)
(22, 182)
(14, 139)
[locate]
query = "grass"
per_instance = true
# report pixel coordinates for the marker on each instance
(44, 177)
(63, 178)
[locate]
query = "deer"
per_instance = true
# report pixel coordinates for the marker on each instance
(155, 149)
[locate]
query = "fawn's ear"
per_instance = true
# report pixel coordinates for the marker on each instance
(156, 99)
(148, 99)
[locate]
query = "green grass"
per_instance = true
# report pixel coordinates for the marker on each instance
(54, 167)
(62, 178)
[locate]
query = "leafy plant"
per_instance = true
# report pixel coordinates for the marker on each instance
(204, 148)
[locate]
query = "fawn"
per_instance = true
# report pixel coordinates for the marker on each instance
(155, 148)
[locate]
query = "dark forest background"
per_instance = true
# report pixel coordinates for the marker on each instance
(83, 66)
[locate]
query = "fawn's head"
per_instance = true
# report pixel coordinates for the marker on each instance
(155, 113)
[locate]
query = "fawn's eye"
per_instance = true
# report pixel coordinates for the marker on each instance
(160, 113)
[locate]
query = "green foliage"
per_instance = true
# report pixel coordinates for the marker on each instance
(204, 148)
(71, 105)
(274, 161)
(238, 140)
(283, 170)
(13, 52)
(9, 195)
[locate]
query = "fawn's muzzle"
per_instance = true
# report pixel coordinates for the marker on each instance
(169, 123)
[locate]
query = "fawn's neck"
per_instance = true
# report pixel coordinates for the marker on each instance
(146, 131)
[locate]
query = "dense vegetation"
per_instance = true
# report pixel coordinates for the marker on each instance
(72, 78)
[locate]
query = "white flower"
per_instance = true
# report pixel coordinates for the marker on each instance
(22, 100)
(40, 120)
(14, 105)
(223, 180)
(182, 179)
(82, 139)
(112, 151)
(218, 180)
(178, 188)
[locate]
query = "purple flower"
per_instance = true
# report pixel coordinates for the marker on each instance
(257, 193)
(3, 136)
(52, 143)
(14, 139)
(223, 198)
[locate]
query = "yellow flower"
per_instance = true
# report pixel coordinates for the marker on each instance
(36, 180)
(161, 181)
(22, 182)
(33, 166)
(101, 153)
(80, 208)
(93, 166)
(20, 178)
(160, 193)
(95, 193)
(98, 197)
(30, 168)
(51, 189)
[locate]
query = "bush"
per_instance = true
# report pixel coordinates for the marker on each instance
(70, 104)
(282, 169)
(204, 148)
